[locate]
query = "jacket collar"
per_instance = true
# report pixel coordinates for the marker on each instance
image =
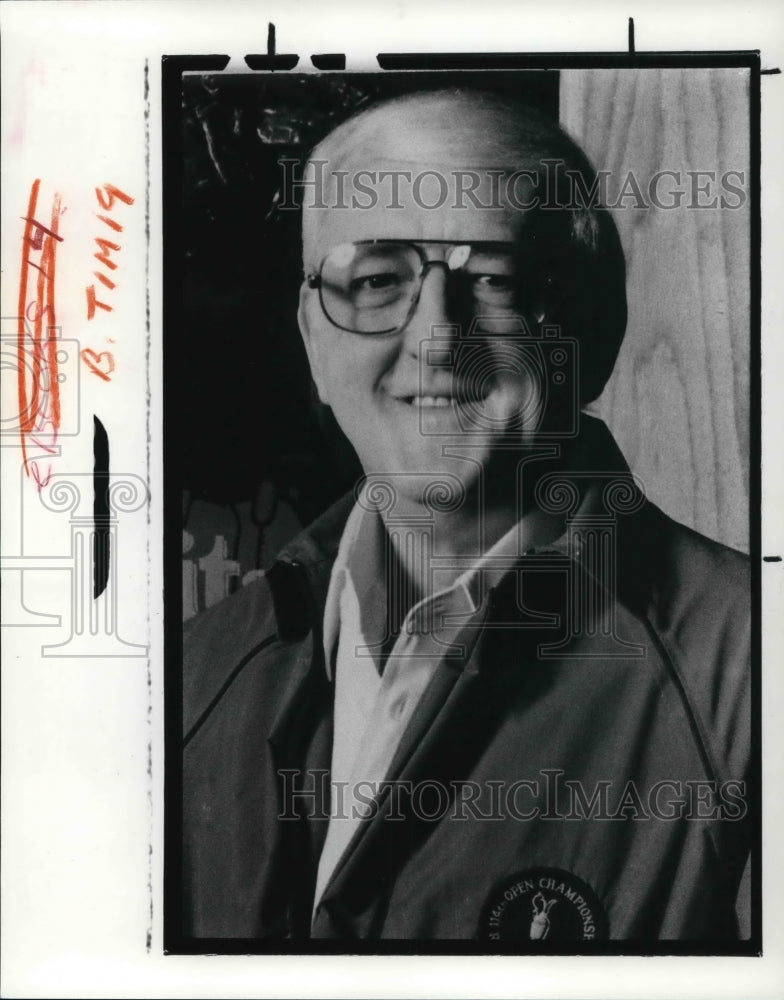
(299, 578)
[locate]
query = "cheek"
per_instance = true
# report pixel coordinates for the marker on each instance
(330, 355)
(350, 367)
(515, 375)
(348, 375)
(502, 364)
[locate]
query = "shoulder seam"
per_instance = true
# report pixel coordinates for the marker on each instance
(225, 686)
(695, 722)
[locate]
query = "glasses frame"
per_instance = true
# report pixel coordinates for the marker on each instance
(313, 279)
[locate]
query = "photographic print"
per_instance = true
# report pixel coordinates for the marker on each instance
(464, 470)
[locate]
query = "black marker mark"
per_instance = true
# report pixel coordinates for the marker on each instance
(555, 61)
(329, 60)
(631, 35)
(771, 558)
(270, 60)
(101, 511)
(770, 72)
(456, 60)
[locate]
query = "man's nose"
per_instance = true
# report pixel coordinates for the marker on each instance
(432, 314)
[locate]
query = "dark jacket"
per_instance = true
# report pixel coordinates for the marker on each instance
(629, 747)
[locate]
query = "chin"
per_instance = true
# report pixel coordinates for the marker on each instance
(454, 474)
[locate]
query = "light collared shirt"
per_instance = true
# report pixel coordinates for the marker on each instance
(373, 706)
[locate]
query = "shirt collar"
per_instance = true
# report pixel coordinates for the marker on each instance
(361, 565)
(363, 533)
(316, 548)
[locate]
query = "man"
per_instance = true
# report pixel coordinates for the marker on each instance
(495, 694)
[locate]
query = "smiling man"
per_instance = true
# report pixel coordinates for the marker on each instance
(494, 693)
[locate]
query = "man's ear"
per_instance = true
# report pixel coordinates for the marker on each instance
(311, 343)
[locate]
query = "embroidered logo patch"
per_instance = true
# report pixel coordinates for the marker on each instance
(543, 904)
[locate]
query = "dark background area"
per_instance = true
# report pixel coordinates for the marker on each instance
(249, 410)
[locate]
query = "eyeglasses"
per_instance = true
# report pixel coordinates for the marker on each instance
(372, 287)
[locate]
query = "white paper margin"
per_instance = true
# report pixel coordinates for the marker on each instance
(79, 810)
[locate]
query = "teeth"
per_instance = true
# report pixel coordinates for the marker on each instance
(437, 401)
(433, 400)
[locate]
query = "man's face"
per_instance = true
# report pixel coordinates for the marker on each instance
(409, 399)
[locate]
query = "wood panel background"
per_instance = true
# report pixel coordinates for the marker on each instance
(678, 401)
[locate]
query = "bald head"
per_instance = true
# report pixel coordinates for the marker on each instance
(447, 127)
(445, 150)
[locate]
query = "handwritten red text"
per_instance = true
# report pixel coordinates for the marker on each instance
(101, 363)
(38, 380)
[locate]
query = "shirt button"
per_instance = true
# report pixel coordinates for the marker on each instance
(398, 706)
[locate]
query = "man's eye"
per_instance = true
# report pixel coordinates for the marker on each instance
(375, 282)
(493, 281)
(494, 289)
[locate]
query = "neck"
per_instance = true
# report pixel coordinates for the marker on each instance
(435, 540)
